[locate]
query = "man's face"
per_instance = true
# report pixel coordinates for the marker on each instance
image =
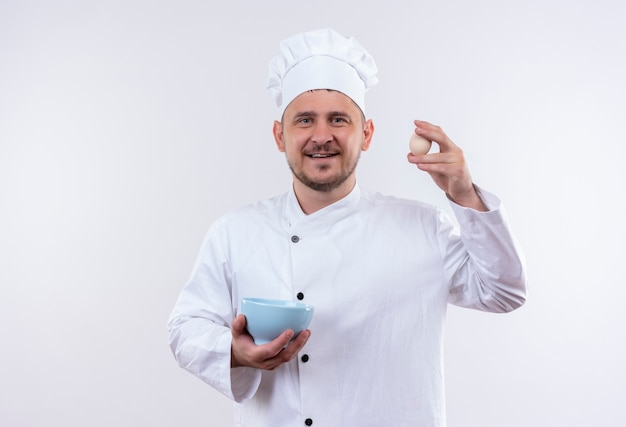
(322, 135)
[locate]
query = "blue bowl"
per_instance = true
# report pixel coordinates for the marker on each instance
(268, 318)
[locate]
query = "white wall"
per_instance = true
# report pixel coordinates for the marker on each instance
(127, 127)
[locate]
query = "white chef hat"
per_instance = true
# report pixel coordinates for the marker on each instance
(321, 59)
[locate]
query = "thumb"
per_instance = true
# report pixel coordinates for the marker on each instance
(239, 324)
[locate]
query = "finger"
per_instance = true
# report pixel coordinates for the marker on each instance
(238, 325)
(413, 158)
(273, 348)
(288, 353)
(437, 168)
(443, 158)
(433, 158)
(296, 345)
(433, 133)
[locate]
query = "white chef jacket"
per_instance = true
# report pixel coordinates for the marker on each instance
(379, 272)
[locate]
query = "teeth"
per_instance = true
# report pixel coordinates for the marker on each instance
(319, 156)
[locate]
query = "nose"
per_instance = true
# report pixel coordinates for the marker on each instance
(322, 134)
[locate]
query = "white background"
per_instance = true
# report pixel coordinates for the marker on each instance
(127, 127)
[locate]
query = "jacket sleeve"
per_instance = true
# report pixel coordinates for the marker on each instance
(484, 264)
(199, 326)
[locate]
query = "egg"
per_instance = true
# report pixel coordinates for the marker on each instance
(419, 145)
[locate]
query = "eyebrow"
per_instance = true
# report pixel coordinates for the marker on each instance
(305, 114)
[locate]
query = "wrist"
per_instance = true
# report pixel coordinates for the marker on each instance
(469, 199)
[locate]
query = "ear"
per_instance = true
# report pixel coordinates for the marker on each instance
(278, 136)
(368, 132)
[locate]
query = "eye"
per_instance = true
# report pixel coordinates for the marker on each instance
(304, 121)
(338, 120)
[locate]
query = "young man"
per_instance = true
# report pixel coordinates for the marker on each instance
(378, 270)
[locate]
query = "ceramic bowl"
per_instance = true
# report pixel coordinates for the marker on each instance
(268, 318)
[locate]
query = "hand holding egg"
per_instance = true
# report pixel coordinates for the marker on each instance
(419, 145)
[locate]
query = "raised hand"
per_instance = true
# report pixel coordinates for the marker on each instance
(447, 167)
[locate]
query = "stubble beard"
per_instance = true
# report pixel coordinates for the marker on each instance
(324, 186)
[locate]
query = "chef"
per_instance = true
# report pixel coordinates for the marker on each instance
(379, 270)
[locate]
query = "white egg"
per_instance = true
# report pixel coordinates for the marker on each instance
(418, 144)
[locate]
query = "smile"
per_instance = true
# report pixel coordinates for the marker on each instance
(321, 155)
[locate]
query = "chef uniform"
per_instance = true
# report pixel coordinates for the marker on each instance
(378, 270)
